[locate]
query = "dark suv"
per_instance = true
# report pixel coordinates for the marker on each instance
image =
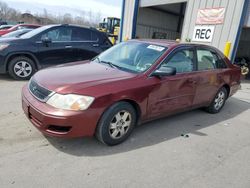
(48, 46)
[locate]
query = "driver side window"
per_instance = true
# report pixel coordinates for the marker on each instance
(182, 60)
(62, 34)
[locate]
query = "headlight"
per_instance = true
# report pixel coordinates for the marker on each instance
(70, 101)
(3, 46)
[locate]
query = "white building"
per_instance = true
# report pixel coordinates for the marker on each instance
(213, 22)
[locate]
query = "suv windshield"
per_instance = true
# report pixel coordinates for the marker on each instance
(132, 56)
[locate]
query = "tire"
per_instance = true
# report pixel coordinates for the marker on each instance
(218, 101)
(21, 68)
(116, 124)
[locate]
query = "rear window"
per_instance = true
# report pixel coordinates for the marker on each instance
(82, 34)
(208, 60)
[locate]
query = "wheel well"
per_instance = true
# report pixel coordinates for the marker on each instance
(18, 55)
(136, 107)
(226, 86)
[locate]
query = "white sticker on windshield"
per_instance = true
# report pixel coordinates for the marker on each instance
(157, 48)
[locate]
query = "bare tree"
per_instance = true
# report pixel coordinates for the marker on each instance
(3, 10)
(88, 18)
(67, 18)
(98, 18)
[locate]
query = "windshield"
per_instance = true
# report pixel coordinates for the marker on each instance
(35, 32)
(103, 25)
(132, 56)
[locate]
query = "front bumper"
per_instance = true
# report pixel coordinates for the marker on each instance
(57, 122)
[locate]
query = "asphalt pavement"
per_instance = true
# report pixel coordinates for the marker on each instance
(191, 149)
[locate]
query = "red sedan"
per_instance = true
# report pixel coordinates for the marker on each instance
(130, 83)
(17, 27)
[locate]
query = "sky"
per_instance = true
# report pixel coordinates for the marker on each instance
(74, 7)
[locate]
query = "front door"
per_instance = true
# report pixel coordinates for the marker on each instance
(174, 93)
(59, 50)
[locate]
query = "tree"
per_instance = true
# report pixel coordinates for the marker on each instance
(88, 18)
(67, 18)
(3, 10)
(98, 18)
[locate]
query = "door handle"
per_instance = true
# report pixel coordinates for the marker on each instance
(68, 46)
(95, 45)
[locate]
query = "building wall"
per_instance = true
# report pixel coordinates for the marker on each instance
(128, 19)
(223, 32)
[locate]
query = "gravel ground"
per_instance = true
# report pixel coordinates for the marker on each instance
(214, 151)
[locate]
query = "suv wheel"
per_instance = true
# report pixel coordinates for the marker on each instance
(116, 124)
(218, 102)
(21, 68)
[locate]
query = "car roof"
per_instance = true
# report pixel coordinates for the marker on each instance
(160, 42)
(27, 25)
(72, 25)
(171, 43)
(6, 25)
(175, 44)
(23, 25)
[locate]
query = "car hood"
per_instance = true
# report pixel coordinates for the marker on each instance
(75, 77)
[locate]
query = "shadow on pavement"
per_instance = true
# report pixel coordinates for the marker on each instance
(6, 77)
(154, 132)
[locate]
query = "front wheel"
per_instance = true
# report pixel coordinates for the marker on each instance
(116, 124)
(218, 102)
(21, 68)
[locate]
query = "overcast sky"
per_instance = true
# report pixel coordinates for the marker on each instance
(106, 7)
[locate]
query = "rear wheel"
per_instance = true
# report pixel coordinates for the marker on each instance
(21, 68)
(116, 124)
(218, 102)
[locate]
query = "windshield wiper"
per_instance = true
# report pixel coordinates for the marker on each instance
(98, 59)
(108, 63)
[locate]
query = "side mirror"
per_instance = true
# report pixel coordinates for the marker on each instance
(164, 71)
(46, 40)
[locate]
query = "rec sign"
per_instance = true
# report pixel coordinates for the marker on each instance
(203, 33)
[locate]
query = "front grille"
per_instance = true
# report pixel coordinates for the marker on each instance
(39, 92)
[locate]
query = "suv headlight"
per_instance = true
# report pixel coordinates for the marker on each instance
(3, 46)
(70, 101)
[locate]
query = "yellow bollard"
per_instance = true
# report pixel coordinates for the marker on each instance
(126, 38)
(113, 40)
(227, 49)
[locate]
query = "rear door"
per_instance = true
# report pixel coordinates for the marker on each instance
(59, 50)
(174, 93)
(210, 69)
(85, 43)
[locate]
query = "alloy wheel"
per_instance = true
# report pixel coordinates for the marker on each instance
(120, 124)
(22, 69)
(219, 100)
